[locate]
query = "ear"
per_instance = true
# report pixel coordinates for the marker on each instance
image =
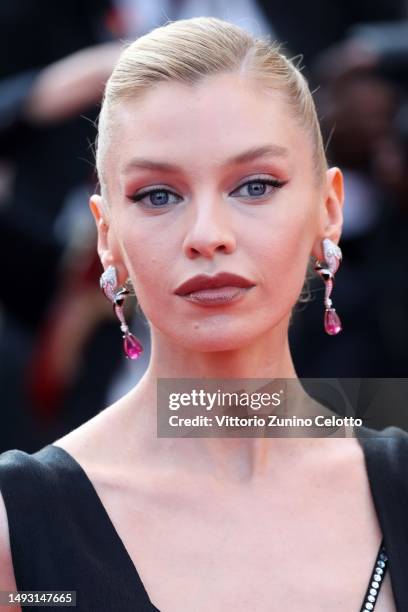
(102, 226)
(104, 229)
(331, 211)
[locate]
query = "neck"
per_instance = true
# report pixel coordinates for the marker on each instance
(267, 356)
(227, 458)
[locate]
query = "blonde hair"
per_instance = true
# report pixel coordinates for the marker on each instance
(188, 50)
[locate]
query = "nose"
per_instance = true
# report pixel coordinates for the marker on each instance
(209, 228)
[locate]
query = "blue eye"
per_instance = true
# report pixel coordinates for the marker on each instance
(257, 187)
(158, 197)
(161, 197)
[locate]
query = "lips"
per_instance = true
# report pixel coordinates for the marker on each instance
(222, 279)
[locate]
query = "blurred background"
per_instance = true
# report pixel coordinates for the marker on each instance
(61, 359)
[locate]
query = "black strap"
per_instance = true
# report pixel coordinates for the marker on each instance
(386, 457)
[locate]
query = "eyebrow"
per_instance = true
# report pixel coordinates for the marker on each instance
(246, 156)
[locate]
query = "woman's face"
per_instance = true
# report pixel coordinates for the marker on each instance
(236, 194)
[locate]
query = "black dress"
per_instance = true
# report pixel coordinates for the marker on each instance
(62, 538)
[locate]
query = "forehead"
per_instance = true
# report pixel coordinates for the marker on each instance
(204, 124)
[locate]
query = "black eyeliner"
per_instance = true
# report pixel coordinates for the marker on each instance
(139, 196)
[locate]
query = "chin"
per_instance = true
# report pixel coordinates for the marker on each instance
(205, 338)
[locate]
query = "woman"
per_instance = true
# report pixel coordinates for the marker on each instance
(210, 161)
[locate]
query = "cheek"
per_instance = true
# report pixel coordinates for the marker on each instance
(147, 264)
(282, 253)
(286, 239)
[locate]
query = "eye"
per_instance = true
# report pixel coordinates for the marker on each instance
(257, 187)
(160, 197)
(157, 197)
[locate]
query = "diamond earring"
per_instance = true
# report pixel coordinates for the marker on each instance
(333, 257)
(109, 284)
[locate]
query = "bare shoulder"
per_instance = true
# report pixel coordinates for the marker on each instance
(97, 436)
(105, 445)
(346, 456)
(339, 463)
(7, 578)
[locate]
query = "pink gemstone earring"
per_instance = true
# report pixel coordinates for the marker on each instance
(108, 282)
(333, 257)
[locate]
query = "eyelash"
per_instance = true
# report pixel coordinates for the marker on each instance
(140, 196)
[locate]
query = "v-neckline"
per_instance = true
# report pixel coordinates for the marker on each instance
(370, 463)
(106, 518)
